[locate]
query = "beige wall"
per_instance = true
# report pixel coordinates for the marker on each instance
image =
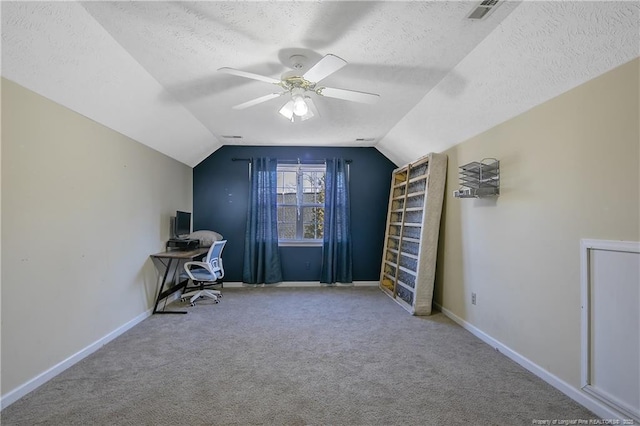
(82, 209)
(570, 170)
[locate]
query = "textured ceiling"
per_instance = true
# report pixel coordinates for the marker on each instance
(148, 69)
(541, 50)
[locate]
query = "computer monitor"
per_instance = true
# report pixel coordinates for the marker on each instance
(182, 224)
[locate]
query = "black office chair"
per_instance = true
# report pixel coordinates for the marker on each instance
(205, 274)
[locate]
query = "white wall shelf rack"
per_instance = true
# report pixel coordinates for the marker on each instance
(479, 179)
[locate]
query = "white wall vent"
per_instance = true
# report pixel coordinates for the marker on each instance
(483, 9)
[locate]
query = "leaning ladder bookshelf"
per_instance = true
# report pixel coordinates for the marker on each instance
(411, 240)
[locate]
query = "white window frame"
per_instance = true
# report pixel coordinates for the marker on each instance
(299, 168)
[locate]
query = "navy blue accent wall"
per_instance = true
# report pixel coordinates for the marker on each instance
(221, 191)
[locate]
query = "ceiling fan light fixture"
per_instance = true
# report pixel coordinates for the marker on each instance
(313, 111)
(287, 110)
(300, 107)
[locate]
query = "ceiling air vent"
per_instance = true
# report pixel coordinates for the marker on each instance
(483, 9)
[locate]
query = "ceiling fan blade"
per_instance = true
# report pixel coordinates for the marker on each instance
(259, 100)
(251, 75)
(324, 67)
(348, 95)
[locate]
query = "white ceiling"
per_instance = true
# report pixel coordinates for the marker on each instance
(148, 69)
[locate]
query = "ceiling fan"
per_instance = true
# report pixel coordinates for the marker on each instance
(301, 107)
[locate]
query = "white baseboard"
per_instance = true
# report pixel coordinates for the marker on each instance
(238, 284)
(17, 393)
(581, 397)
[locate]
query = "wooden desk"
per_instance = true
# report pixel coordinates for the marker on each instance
(168, 264)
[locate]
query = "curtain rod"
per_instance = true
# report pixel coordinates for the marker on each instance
(295, 160)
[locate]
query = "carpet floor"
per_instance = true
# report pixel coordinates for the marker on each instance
(294, 356)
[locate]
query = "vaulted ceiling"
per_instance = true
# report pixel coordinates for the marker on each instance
(149, 69)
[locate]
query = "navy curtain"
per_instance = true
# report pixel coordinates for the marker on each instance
(261, 256)
(336, 245)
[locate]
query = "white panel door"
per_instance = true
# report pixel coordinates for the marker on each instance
(611, 350)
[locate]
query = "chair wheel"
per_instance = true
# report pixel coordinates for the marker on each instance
(217, 301)
(192, 304)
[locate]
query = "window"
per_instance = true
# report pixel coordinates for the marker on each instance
(300, 203)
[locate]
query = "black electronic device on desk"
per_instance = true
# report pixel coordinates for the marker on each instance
(182, 244)
(181, 228)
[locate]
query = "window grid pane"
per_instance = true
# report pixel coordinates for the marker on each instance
(300, 202)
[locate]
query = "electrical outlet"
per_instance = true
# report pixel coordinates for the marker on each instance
(473, 298)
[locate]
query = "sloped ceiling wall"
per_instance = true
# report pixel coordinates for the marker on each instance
(57, 50)
(542, 49)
